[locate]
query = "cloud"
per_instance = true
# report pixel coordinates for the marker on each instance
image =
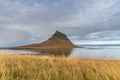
(11, 36)
(38, 19)
(98, 43)
(101, 38)
(104, 35)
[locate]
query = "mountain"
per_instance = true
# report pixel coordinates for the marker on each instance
(57, 40)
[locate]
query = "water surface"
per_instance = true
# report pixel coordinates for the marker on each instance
(90, 52)
(11, 51)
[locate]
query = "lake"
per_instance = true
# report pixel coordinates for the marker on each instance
(90, 52)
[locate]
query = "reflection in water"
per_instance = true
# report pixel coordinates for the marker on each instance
(56, 52)
(96, 53)
(15, 51)
(46, 52)
(112, 53)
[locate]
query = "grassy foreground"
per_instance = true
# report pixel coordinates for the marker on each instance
(29, 67)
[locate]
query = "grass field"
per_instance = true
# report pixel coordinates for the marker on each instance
(30, 67)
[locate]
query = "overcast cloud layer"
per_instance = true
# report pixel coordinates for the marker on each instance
(84, 21)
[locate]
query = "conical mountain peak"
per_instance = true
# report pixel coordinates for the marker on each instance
(59, 35)
(57, 40)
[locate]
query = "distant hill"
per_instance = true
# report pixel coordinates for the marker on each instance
(57, 40)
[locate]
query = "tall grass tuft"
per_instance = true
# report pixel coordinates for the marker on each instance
(30, 67)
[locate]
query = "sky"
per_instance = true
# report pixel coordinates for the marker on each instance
(84, 21)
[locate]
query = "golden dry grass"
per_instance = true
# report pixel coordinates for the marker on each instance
(30, 67)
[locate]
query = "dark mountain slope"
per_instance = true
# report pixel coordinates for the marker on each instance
(57, 40)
